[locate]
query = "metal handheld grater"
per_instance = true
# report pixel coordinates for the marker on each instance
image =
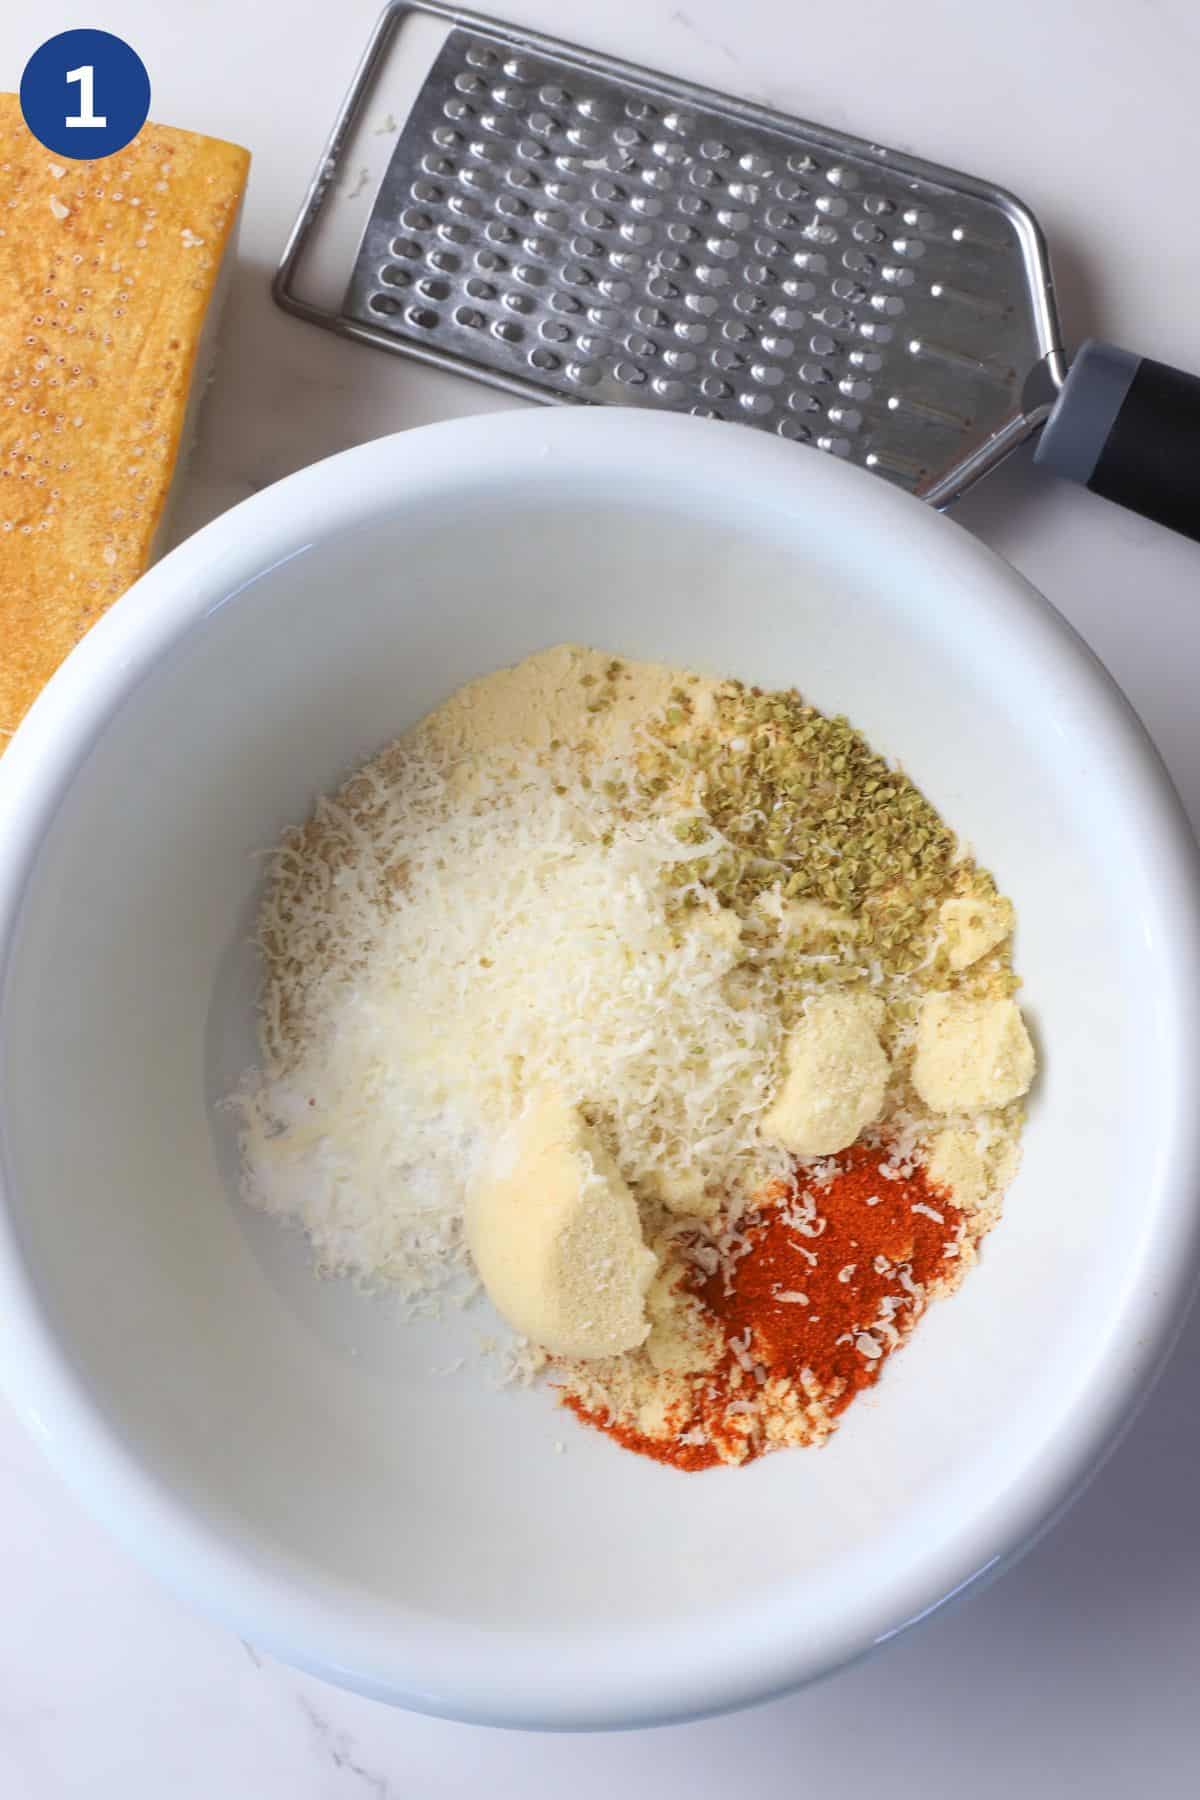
(571, 228)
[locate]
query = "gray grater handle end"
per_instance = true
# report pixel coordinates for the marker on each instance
(1128, 428)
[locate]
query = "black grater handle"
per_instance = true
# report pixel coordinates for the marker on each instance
(1128, 428)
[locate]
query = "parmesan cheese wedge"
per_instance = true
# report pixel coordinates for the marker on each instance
(111, 278)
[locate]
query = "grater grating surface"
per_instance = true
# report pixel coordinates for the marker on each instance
(570, 228)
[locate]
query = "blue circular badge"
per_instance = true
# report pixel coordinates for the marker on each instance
(85, 94)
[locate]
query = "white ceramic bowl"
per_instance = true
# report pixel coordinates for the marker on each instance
(283, 1451)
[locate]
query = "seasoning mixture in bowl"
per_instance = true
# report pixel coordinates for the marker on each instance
(667, 1009)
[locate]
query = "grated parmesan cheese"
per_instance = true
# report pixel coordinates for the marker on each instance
(455, 945)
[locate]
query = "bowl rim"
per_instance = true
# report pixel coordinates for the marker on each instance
(258, 1594)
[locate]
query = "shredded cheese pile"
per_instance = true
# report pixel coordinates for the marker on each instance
(448, 939)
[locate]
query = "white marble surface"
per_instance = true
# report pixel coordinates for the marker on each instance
(1076, 1672)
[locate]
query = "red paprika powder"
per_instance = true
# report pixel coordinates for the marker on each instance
(829, 1279)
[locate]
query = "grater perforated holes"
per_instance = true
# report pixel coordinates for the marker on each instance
(657, 248)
